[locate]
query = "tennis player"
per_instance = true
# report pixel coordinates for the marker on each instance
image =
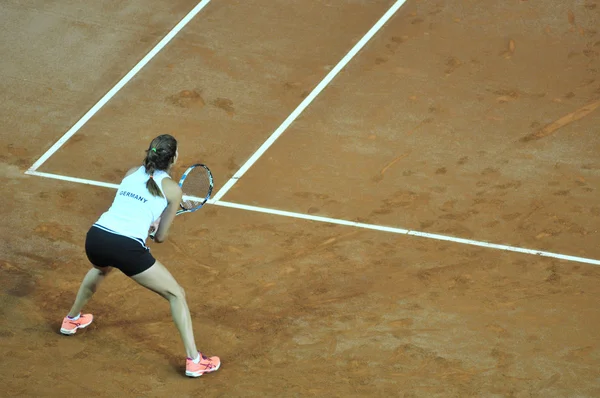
(146, 201)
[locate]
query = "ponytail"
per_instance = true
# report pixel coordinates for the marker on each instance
(159, 156)
(152, 186)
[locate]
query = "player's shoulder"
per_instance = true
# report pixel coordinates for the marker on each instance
(132, 170)
(171, 189)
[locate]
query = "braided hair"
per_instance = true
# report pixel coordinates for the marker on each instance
(159, 156)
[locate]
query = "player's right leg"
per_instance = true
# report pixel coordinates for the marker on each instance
(158, 279)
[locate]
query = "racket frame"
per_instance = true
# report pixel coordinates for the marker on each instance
(183, 210)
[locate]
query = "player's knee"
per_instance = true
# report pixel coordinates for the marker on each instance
(103, 271)
(177, 292)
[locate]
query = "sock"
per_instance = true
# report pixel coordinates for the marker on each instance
(197, 360)
(74, 318)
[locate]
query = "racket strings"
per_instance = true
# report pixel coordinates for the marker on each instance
(198, 185)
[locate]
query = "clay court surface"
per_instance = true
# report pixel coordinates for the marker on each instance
(462, 118)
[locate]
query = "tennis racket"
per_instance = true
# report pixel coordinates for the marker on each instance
(197, 185)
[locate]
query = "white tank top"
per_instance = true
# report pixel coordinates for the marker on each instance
(134, 208)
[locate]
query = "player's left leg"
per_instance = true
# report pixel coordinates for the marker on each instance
(75, 319)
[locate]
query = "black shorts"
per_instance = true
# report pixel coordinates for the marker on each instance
(107, 249)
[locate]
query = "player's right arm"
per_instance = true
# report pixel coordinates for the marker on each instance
(173, 195)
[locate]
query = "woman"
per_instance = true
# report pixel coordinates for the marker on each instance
(146, 201)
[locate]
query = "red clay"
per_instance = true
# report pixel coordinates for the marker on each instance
(428, 128)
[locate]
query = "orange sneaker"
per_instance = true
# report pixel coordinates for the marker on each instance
(206, 365)
(70, 326)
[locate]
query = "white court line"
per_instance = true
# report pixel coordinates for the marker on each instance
(32, 171)
(316, 91)
(407, 232)
(119, 85)
(93, 182)
(348, 223)
(72, 179)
